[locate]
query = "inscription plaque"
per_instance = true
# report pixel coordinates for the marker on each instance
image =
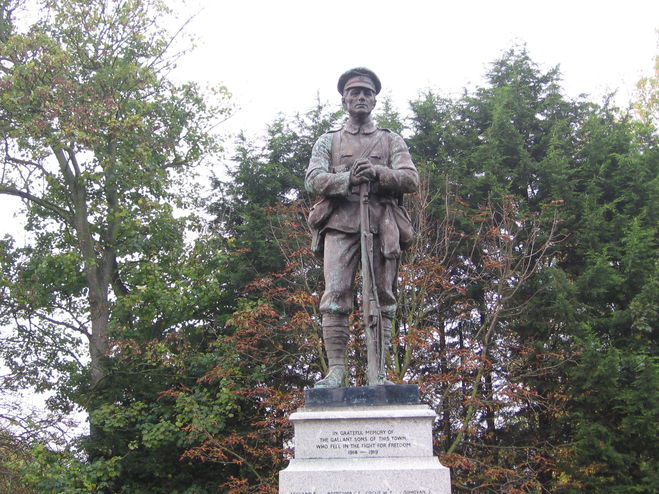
(340, 434)
(367, 442)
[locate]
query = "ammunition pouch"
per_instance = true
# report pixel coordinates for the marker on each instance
(318, 216)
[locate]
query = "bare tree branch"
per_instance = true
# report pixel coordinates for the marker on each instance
(13, 191)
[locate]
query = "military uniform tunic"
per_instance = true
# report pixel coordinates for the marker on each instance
(328, 175)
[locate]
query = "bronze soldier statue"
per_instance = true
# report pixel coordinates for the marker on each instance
(361, 172)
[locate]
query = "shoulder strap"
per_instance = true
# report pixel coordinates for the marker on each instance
(367, 152)
(386, 158)
(336, 150)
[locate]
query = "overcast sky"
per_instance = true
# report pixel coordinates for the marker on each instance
(276, 56)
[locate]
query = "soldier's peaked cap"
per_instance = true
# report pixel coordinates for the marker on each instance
(359, 77)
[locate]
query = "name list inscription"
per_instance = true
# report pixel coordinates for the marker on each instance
(366, 442)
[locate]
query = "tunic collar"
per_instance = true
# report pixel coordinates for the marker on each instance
(367, 128)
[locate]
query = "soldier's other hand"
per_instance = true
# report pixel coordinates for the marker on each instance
(362, 171)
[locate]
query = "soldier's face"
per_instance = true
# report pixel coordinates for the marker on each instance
(358, 101)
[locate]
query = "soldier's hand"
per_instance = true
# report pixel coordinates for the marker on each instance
(362, 171)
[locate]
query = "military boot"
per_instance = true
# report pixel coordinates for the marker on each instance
(386, 337)
(334, 378)
(335, 335)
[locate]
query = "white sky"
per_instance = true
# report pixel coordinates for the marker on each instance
(276, 56)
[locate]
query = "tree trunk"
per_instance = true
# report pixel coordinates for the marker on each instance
(488, 392)
(98, 344)
(446, 404)
(97, 268)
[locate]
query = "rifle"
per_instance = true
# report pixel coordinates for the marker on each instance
(371, 311)
(370, 308)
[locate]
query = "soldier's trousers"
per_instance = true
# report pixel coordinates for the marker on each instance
(342, 257)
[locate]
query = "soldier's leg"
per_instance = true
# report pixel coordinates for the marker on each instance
(341, 257)
(386, 271)
(340, 261)
(335, 336)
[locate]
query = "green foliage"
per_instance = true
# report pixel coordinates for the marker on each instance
(12, 454)
(387, 117)
(49, 473)
(615, 405)
(101, 148)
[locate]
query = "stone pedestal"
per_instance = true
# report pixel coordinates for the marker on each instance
(367, 440)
